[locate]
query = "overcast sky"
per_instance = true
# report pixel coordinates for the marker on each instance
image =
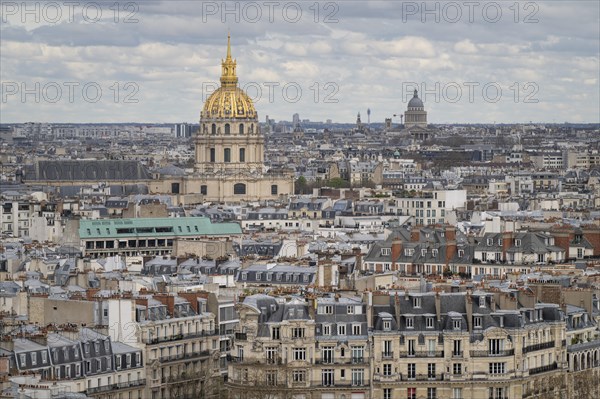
(156, 61)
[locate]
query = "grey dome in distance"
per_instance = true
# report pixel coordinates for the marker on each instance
(415, 102)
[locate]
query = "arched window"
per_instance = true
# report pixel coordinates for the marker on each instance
(213, 129)
(242, 155)
(241, 128)
(239, 188)
(227, 155)
(212, 155)
(227, 128)
(274, 189)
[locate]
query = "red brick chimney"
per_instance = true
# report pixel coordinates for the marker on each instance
(450, 232)
(396, 251)
(563, 239)
(507, 242)
(192, 298)
(415, 234)
(167, 300)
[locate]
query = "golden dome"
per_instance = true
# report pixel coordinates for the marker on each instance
(228, 101)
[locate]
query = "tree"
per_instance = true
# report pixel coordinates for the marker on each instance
(337, 182)
(301, 186)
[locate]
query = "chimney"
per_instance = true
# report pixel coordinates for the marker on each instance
(507, 238)
(450, 232)
(167, 300)
(396, 251)
(90, 293)
(438, 306)
(450, 235)
(415, 234)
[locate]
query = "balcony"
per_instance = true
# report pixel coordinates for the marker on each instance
(422, 354)
(543, 369)
(507, 352)
(327, 360)
(358, 360)
(387, 355)
(117, 386)
(181, 356)
(537, 347)
(177, 337)
(457, 354)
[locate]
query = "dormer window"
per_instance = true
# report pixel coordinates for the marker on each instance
(410, 322)
(429, 322)
(417, 302)
(518, 242)
(258, 275)
(387, 325)
(499, 241)
(434, 253)
(482, 301)
(461, 253)
(385, 251)
(423, 252)
(456, 324)
(490, 242)
(244, 276)
(477, 321)
(409, 252)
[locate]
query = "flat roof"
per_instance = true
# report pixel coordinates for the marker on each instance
(155, 227)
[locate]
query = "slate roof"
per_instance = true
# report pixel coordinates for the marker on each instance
(86, 170)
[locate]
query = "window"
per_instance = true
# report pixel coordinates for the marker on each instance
(325, 309)
(358, 377)
(424, 252)
(482, 301)
(387, 325)
(213, 155)
(299, 376)
(456, 323)
(299, 353)
(297, 332)
(274, 189)
(341, 329)
(275, 333)
(411, 393)
(227, 155)
(457, 348)
(431, 370)
(496, 346)
(490, 242)
(241, 129)
(242, 155)
(429, 322)
(327, 352)
(326, 329)
(411, 370)
(239, 189)
(411, 347)
(417, 302)
(387, 369)
(271, 377)
(213, 129)
(227, 128)
(327, 377)
(387, 348)
(385, 251)
(497, 368)
(457, 368)
(33, 358)
(204, 189)
(387, 393)
(44, 357)
(457, 393)
(410, 322)
(355, 329)
(517, 242)
(357, 353)
(431, 393)
(175, 188)
(477, 321)
(271, 353)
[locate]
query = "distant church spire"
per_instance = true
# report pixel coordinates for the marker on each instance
(228, 76)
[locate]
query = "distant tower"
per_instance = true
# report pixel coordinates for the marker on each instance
(295, 119)
(359, 125)
(369, 117)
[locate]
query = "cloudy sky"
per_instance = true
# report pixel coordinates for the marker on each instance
(156, 61)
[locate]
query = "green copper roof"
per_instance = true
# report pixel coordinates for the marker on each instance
(155, 227)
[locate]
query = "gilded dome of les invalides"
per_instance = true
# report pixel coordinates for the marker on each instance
(228, 101)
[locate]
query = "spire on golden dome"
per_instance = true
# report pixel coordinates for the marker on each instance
(228, 76)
